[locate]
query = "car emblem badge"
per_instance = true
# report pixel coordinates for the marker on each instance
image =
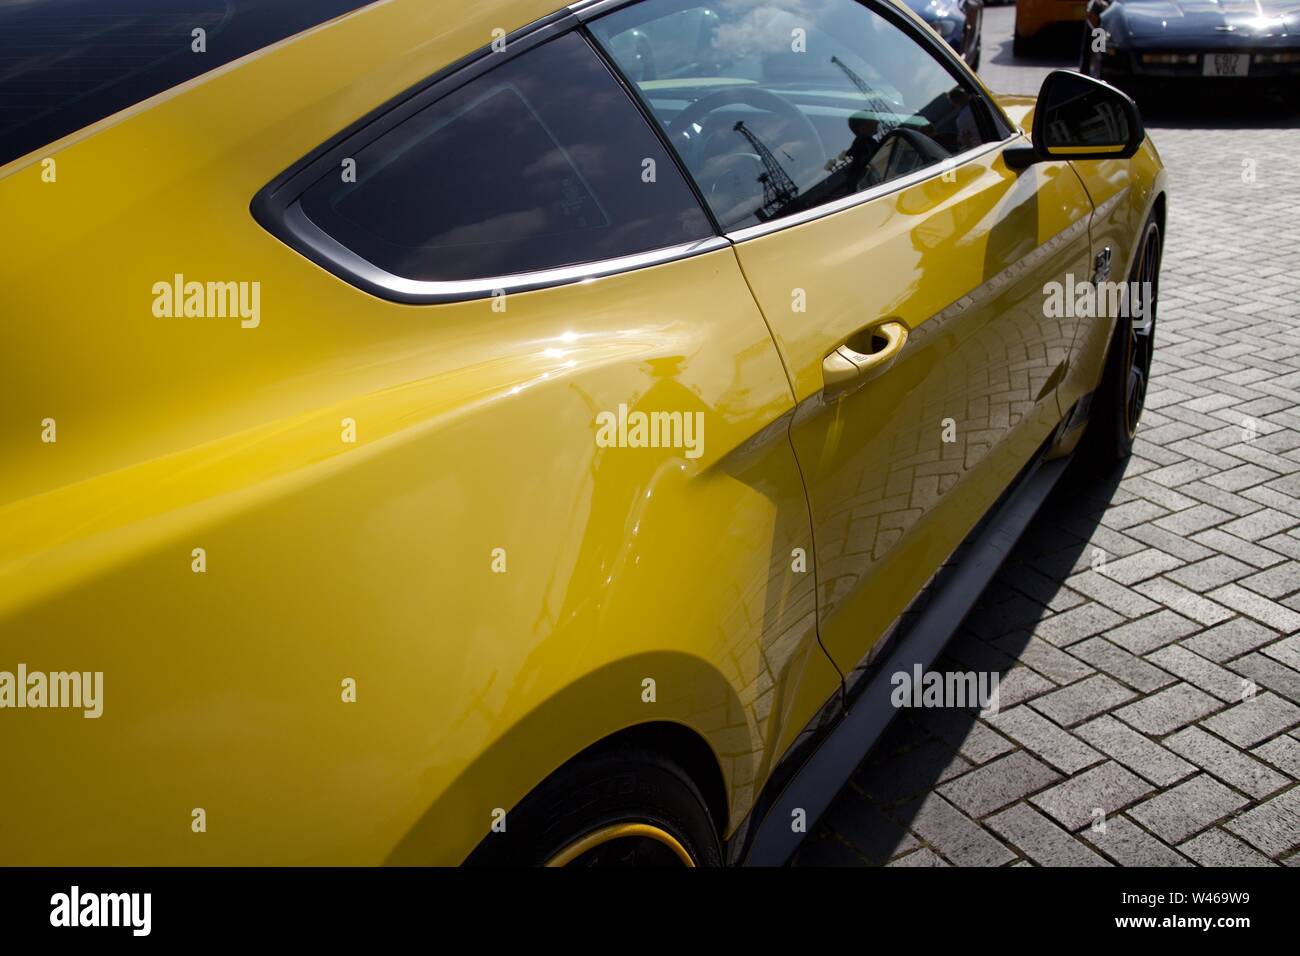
(1102, 263)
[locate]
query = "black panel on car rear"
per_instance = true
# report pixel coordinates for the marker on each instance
(66, 63)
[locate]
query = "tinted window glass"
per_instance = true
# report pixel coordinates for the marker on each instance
(65, 64)
(540, 163)
(777, 106)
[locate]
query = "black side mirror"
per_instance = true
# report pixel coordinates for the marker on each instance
(1079, 117)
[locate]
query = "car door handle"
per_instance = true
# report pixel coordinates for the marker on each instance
(848, 365)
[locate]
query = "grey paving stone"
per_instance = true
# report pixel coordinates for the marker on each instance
(1135, 751)
(1180, 547)
(997, 784)
(1169, 709)
(1056, 665)
(1265, 672)
(1077, 624)
(1252, 721)
(1148, 633)
(1138, 567)
(1277, 582)
(1133, 513)
(1252, 554)
(873, 835)
(1106, 788)
(1045, 739)
(961, 731)
(1269, 613)
(1198, 671)
(1282, 752)
(1285, 652)
(1273, 827)
(1261, 524)
(922, 857)
(1120, 664)
(1214, 847)
(1112, 594)
(1076, 703)
(1213, 572)
(1021, 684)
(1193, 805)
(1042, 840)
(1285, 544)
(1230, 639)
(1192, 520)
(909, 774)
(954, 834)
(1226, 762)
(1185, 602)
(1241, 477)
(1129, 845)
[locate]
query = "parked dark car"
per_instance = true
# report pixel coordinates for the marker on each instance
(957, 21)
(1158, 42)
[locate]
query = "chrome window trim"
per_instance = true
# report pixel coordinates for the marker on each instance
(368, 276)
(875, 192)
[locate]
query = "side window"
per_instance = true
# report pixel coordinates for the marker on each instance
(542, 162)
(778, 106)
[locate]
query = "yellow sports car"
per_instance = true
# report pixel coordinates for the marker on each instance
(441, 433)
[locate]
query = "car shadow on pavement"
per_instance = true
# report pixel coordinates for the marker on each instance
(869, 822)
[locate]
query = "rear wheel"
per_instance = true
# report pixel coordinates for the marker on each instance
(620, 808)
(1123, 390)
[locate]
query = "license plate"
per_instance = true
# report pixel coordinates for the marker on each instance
(1225, 64)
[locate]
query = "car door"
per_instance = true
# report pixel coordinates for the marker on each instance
(900, 264)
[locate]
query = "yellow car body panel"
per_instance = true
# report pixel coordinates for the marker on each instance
(374, 560)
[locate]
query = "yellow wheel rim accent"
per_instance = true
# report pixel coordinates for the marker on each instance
(617, 832)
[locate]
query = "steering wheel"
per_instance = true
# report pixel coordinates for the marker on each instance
(754, 96)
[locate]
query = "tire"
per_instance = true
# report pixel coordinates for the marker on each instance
(1121, 395)
(634, 804)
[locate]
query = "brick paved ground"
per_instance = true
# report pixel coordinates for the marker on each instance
(1122, 689)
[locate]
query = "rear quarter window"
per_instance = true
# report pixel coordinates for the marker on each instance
(543, 162)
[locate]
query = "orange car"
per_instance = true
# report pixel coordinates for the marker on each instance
(1035, 16)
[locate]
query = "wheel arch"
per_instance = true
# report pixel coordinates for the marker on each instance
(691, 732)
